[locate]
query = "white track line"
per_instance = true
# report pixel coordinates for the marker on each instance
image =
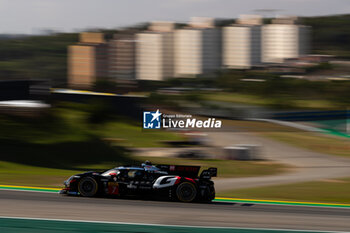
(165, 225)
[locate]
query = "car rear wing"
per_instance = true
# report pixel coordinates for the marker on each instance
(208, 174)
(180, 170)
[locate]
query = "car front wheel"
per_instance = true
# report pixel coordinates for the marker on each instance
(88, 187)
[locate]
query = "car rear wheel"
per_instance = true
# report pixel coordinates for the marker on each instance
(88, 187)
(209, 194)
(186, 192)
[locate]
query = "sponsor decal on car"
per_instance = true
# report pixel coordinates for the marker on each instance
(113, 188)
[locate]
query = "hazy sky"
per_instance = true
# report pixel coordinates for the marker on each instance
(28, 16)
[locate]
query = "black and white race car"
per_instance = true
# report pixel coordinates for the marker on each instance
(174, 182)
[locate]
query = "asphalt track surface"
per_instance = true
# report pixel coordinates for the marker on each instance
(55, 206)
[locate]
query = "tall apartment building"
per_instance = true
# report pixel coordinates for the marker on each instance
(284, 39)
(200, 48)
(242, 43)
(122, 56)
(155, 52)
(87, 60)
(197, 48)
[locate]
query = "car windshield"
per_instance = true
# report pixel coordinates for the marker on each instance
(108, 172)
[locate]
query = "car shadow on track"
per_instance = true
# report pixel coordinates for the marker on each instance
(157, 200)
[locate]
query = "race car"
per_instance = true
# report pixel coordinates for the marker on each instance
(173, 182)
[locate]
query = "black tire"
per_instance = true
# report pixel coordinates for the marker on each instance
(211, 194)
(88, 187)
(207, 195)
(212, 197)
(186, 192)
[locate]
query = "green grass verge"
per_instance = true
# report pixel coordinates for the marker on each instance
(317, 142)
(258, 100)
(314, 142)
(327, 191)
(19, 174)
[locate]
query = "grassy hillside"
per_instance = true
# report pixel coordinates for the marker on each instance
(330, 34)
(36, 57)
(67, 136)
